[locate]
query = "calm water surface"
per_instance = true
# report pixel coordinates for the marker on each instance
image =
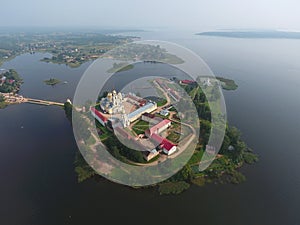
(38, 182)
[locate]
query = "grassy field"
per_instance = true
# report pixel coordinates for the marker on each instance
(161, 102)
(140, 127)
(173, 137)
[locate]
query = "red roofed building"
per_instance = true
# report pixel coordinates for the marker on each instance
(187, 82)
(158, 128)
(99, 116)
(167, 146)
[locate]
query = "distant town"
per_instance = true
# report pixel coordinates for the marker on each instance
(71, 49)
(74, 49)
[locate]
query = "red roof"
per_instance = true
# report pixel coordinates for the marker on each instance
(163, 142)
(187, 81)
(99, 114)
(152, 130)
(156, 138)
(168, 145)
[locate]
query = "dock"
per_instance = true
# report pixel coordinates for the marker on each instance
(41, 102)
(12, 98)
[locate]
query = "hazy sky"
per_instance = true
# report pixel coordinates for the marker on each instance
(189, 14)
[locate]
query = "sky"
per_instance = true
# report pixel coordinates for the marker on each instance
(178, 14)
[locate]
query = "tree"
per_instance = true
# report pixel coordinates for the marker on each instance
(185, 174)
(2, 99)
(68, 110)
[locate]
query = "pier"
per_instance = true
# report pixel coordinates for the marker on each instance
(12, 98)
(42, 102)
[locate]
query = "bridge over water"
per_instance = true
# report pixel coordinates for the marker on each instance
(42, 102)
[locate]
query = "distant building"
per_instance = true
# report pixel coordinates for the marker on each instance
(148, 155)
(207, 82)
(69, 101)
(187, 81)
(2, 80)
(11, 81)
(164, 112)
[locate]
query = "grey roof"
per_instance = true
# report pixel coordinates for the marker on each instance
(140, 110)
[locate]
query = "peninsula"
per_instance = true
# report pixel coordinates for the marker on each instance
(234, 152)
(10, 83)
(253, 34)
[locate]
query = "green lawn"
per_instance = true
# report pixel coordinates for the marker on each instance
(174, 137)
(140, 127)
(161, 102)
(196, 157)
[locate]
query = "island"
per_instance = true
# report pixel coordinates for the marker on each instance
(233, 154)
(227, 84)
(263, 34)
(52, 81)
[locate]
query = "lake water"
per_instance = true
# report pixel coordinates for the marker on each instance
(38, 182)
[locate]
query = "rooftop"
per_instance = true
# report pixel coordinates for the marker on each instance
(99, 114)
(152, 130)
(163, 142)
(140, 110)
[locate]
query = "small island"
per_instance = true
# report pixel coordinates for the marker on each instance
(227, 84)
(52, 81)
